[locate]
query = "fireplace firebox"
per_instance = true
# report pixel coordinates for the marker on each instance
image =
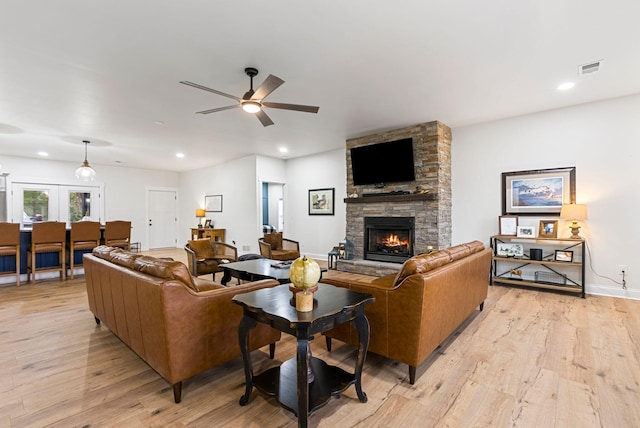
(389, 239)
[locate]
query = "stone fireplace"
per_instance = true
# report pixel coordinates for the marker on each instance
(431, 210)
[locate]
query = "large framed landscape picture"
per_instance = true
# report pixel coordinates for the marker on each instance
(538, 192)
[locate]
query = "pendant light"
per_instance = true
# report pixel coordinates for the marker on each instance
(85, 172)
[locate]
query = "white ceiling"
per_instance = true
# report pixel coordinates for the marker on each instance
(107, 71)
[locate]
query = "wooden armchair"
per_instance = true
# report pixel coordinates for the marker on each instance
(205, 256)
(274, 246)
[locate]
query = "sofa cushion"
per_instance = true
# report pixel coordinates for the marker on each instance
(284, 254)
(475, 246)
(104, 251)
(124, 258)
(458, 252)
(202, 248)
(274, 239)
(421, 264)
(164, 269)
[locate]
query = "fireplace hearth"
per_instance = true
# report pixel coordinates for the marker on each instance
(389, 239)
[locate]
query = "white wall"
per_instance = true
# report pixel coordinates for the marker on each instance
(125, 188)
(602, 140)
(237, 182)
(316, 234)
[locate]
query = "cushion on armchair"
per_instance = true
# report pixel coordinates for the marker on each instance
(274, 239)
(202, 248)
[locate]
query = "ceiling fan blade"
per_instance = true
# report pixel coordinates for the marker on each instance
(270, 84)
(204, 88)
(213, 110)
(295, 107)
(262, 117)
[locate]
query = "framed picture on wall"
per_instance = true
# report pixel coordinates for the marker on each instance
(321, 201)
(538, 192)
(213, 203)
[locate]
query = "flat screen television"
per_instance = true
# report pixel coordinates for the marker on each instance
(383, 163)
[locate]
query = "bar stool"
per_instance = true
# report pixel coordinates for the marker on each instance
(10, 246)
(47, 237)
(85, 235)
(117, 233)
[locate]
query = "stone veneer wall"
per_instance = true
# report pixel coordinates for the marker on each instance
(432, 157)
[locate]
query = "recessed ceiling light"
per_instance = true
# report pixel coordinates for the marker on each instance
(43, 153)
(180, 155)
(565, 86)
(159, 122)
(283, 150)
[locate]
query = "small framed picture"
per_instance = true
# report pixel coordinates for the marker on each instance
(509, 250)
(548, 229)
(207, 223)
(526, 232)
(563, 256)
(508, 224)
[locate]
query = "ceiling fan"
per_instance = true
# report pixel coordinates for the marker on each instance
(253, 101)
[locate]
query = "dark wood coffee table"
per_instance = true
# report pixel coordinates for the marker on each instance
(255, 270)
(304, 383)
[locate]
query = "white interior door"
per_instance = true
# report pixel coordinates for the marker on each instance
(162, 224)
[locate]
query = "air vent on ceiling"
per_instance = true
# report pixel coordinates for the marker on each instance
(589, 68)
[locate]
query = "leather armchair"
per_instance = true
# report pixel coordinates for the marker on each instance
(202, 261)
(273, 246)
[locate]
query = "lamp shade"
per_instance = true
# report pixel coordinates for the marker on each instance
(200, 213)
(574, 212)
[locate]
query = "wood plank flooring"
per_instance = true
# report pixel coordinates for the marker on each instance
(530, 359)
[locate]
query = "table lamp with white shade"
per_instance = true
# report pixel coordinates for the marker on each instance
(575, 213)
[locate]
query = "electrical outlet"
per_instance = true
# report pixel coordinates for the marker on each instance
(246, 248)
(623, 268)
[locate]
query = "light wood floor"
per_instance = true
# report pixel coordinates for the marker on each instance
(530, 359)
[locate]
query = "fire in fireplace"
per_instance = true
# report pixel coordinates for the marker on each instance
(389, 239)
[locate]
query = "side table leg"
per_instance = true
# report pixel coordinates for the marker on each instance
(246, 324)
(303, 381)
(362, 324)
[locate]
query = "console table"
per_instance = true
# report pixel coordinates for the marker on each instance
(208, 233)
(304, 383)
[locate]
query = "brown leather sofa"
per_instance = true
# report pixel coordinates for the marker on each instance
(179, 325)
(422, 305)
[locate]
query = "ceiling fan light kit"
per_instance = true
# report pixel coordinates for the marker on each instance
(251, 106)
(253, 101)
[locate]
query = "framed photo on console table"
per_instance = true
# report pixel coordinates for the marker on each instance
(538, 192)
(563, 256)
(508, 225)
(321, 201)
(548, 229)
